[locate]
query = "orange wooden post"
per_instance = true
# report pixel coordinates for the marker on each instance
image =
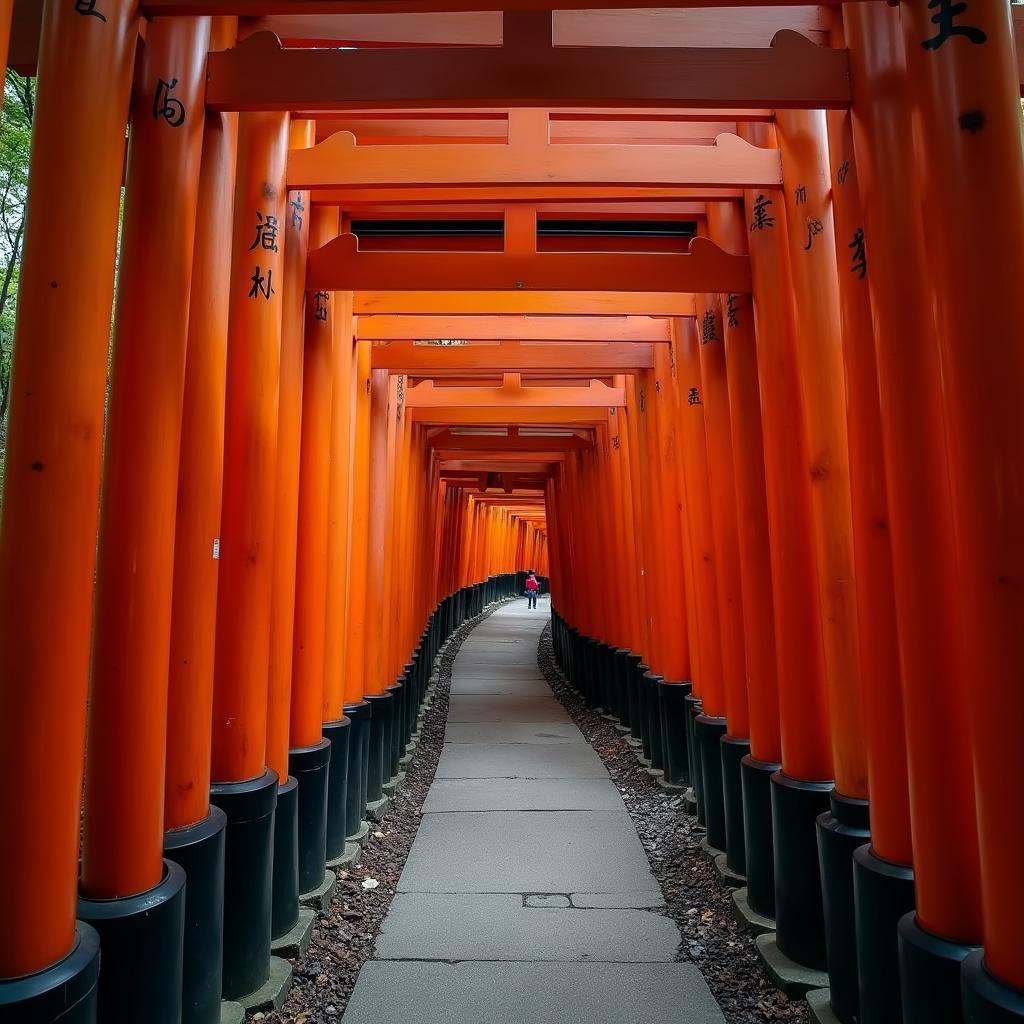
(964, 78)
(244, 787)
(727, 229)
(194, 836)
(51, 491)
(295, 230)
(914, 434)
(803, 711)
(123, 832)
(706, 730)
(374, 680)
(734, 732)
(853, 983)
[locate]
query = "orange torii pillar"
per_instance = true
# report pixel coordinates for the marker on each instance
(945, 879)
(194, 836)
(295, 233)
(797, 791)
(734, 730)
(727, 229)
(866, 990)
(964, 83)
(374, 661)
(48, 964)
(244, 787)
(134, 898)
(663, 571)
(312, 748)
(708, 698)
(345, 716)
(355, 599)
(803, 143)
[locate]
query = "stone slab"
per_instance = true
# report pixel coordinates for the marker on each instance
(519, 761)
(377, 810)
(731, 878)
(820, 1002)
(273, 992)
(512, 732)
(514, 687)
(445, 927)
(362, 835)
(522, 795)
(527, 851)
(293, 944)
(749, 918)
(231, 1013)
(350, 857)
(528, 993)
(792, 978)
(473, 707)
(391, 786)
(320, 897)
(618, 900)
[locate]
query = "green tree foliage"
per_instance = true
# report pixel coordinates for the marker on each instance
(15, 139)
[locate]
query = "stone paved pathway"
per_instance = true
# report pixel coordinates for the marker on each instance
(527, 897)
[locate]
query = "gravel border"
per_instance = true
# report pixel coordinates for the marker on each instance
(345, 934)
(698, 902)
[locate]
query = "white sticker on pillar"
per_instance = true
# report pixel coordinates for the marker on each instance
(216, 548)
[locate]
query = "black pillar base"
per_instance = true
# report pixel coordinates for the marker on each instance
(395, 747)
(380, 731)
(64, 993)
(840, 831)
(882, 893)
(248, 880)
(758, 835)
(709, 732)
(693, 706)
(634, 677)
(625, 698)
(339, 735)
(608, 675)
(930, 974)
(285, 913)
(654, 750)
(733, 750)
(799, 917)
(310, 767)
(358, 715)
(199, 851)
(672, 705)
(142, 947)
(986, 1000)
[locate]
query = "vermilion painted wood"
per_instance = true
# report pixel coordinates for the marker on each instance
(122, 846)
(516, 303)
(250, 460)
(982, 172)
(529, 159)
(52, 471)
(514, 328)
(289, 455)
(260, 75)
(200, 476)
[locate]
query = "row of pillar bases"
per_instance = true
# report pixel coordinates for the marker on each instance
(233, 882)
(803, 848)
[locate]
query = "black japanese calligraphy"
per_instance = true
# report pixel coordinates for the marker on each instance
(762, 219)
(709, 327)
(858, 257)
(946, 13)
(800, 194)
(266, 233)
(814, 228)
(693, 396)
(732, 310)
(166, 106)
(297, 210)
(88, 8)
(262, 284)
(320, 305)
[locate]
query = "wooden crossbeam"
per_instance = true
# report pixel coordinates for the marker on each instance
(513, 396)
(530, 160)
(259, 74)
(340, 265)
(430, 360)
(583, 329)
(523, 303)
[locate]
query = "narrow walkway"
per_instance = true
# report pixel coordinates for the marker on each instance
(527, 897)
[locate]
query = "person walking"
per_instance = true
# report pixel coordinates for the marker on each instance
(532, 588)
